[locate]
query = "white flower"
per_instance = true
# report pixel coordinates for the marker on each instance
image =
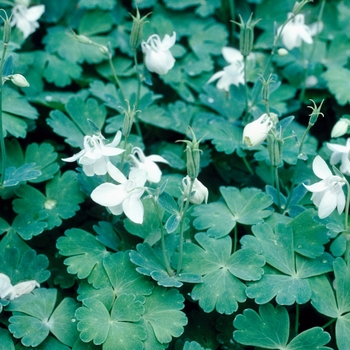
(19, 80)
(10, 292)
(125, 197)
(327, 193)
(340, 154)
(296, 31)
(340, 127)
(148, 164)
(95, 155)
(158, 58)
(26, 19)
(232, 74)
(256, 132)
(199, 191)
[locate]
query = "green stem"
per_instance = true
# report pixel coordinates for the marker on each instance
(246, 163)
(329, 323)
(123, 155)
(182, 226)
(296, 168)
(277, 182)
(2, 139)
(297, 312)
(313, 49)
(139, 82)
(162, 238)
(246, 85)
(235, 239)
(346, 226)
(115, 76)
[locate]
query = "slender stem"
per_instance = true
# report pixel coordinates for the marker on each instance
(246, 163)
(296, 168)
(115, 76)
(123, 155)
(182, 226)
(346, 226)
(232, 15)
(297, 311)
(2, 139)
(277, 181)
(162, 238)
(313, 49)
(139, 82)
(246, 85)
(235, 238)
(329, 323)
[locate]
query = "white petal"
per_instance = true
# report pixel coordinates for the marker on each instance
(23, 288)
(341, 202)
(108, 194)
(320, 168)
(35, 12)
(100, 166)
(116, 139)
(133, 209)
(327, 205)
(88, 169)
(115, 173)
(216, 76)
(317, 187)
(5, 286)
(156, 158)
(231, 55)
(168, 41)
(74, 157)
(304, 34)
(116, 209)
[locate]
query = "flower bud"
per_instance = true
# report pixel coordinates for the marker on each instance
(316, 112)
(256, 132)
(246, 37)
(19, 80)
(7, 30)
(137, 29)
(274, 147)
(199, 191)
(265, 92)
(340, 128)
(282, 52)
(129, 117)
(83, 39)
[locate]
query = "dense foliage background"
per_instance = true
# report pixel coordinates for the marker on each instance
(260, 268)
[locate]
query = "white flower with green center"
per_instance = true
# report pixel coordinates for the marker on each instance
(125, 197)
(148, 164)
(96, 153)
(296, 31)
(10, 292)
(328, 194)
(256, 132)
(26, 19)
(158, 58)
(340, 154)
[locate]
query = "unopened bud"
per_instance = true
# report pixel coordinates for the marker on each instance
(246, 37)
(83, 39)
(282, 52)
(137, 29)
(316, 112)
(7, 29)
(129, 117)
(265, 92)
(19, 80)
(340, 128)
(274, 147)
(104, 49)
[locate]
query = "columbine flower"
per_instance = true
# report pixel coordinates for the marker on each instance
(147, 164)
(327, 193)
(125, 197)
(341, 154)
(296, 31)
(340, 127)
(199, 191)
(10, 292)
(232, 74)
(26, 19)
(158, 58)
(95, 155)
(256, 132)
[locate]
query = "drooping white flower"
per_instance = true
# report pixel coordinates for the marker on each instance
(340, 128)
(199, 192)
(296, 31)
(10, 292)
(26, 19)
(19, 80)
(95, 155)
(158, 58)
(125, 197)
(327, 194)
(255, 133)
(233, 74)
(148, 164)
(340, 154)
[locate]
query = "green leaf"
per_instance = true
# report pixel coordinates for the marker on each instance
(221, 289)
(24, 266)
(337, 79)
(62, 200)
(116, 330)
(150, 263)
(162, 313)
(90, 4)
(6, 342)
(26, 172)
(35, 318)
(247, 207)
(74, 129)
(270, 330)
(123, 279)
(86, 255)
(342, 330)
(107, 235)
(44, 157)
(102, 20)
